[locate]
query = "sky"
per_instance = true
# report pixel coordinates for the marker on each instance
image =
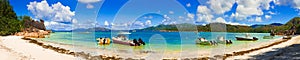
(137, 14)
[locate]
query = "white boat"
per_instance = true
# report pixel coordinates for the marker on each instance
(203, 41)
(124, 33)
(122, 39)
(221, 39)
(246, 38)
(286, 37)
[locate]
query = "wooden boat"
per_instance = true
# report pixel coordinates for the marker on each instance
(122, 39)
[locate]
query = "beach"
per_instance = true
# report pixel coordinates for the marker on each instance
(274, 52)
(16, 48)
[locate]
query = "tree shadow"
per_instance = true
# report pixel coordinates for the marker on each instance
(287, 53)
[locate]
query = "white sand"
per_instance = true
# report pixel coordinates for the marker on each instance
(294, 40)
(14, 48)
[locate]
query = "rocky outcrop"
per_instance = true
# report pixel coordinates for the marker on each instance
(34, 29)
(39, 34)
(31, 24)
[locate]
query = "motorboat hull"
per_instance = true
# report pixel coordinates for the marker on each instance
(123, 42)
(287, 37)
(246, 39)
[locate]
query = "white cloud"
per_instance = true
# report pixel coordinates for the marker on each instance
(56, 12)
(204, 14)
(191, 16)
(57, 26)
(171, 12)
(89, 1)
(220, 20)
(268, 16)
(203, 10)
(271, 13)
(234, 23)
(249, 8)
(188, 5)
(89, 6)
(258, 19)
(106, 23)
(221, 6)
(297, 4)
(148, 22)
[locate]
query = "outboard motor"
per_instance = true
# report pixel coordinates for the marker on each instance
(255, 38)
(136, 43)
(141, 41)
(104, 41)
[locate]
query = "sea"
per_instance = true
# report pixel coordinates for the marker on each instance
(162, 41)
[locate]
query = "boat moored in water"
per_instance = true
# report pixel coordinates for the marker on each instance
(122, 39)
(268, 37)
(203, 41)
(103, 41)
(222, 40)
(246, 38)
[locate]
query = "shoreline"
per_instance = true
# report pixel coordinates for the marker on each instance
(19, 49)
(63, 50)
(248, 54)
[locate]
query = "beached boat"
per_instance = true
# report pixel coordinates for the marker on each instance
(246, 38)
(103, 41)
(122, 39)
(286, 37)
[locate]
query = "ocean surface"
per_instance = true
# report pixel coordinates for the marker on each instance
(156, 41)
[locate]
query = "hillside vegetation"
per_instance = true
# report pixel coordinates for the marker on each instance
(10, 23)
(231, 28)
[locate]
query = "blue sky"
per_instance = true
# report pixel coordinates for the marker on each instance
(135, 14)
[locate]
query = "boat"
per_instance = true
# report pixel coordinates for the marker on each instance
(124, 33)
(203, 41)
(222, 40)
(286, 37)
(268, 37)
(103, 41)
(246, 38)
(122, 39)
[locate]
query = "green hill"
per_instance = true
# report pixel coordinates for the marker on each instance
(230, 28)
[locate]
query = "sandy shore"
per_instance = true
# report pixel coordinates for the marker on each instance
(266, 51)
(14, 48)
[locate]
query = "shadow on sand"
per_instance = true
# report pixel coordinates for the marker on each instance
(287, 53)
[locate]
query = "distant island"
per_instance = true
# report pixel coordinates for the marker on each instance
(277, 27)
(292, 25)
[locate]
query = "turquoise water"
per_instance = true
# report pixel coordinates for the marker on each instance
(172, 41)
